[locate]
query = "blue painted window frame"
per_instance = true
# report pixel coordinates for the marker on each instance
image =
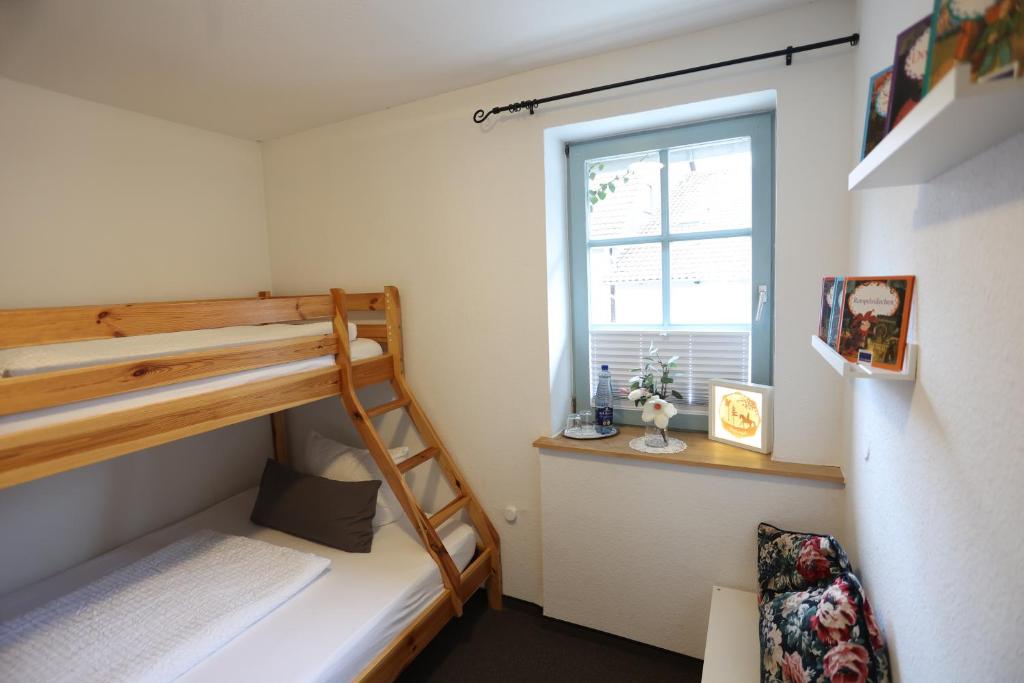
(760, 128)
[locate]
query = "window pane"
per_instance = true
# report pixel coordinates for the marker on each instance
(624, 196)
(710, 186)
(711, 281)
(625, 284)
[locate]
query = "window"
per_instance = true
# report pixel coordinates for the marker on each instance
(671, 242)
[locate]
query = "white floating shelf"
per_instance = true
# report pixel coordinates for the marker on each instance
(862, 371)
(954, 122)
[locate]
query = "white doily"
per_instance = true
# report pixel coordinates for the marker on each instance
(674, 446)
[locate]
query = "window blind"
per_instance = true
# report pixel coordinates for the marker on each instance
(703, 355)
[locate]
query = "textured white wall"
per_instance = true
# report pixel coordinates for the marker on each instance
(935, 469)
(454, 214)
(103, 205)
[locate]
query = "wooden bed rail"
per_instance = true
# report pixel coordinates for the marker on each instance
(37, 326)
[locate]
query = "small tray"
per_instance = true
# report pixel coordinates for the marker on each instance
(578, 433)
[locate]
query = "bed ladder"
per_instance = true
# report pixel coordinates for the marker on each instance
(389, 368)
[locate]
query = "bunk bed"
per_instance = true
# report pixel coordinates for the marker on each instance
(85, 384)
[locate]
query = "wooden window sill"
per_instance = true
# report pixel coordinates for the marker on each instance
(700, 452)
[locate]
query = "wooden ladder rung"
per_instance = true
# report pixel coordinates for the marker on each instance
(421, 457)
(387, 407)
(439, 517)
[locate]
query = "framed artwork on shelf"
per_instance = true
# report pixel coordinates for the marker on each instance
(987, 33)
(877, 111)
(825, 317)
(741, 414)
(875, 317)
(908, 70)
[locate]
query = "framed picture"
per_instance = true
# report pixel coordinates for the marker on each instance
(987, 33)
(876, 315)
(879, 89)
(825, 317)
(741, 414)
(908, 71)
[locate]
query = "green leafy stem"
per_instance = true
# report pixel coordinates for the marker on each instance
(654, 372)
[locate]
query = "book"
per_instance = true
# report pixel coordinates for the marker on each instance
(987, 33)
(825, 318)
(836, 316)
(908, 71)
(875, 317)
(877, 111)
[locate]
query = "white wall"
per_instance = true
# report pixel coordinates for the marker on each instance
(935, 470)
(454, 214)
(103, 205)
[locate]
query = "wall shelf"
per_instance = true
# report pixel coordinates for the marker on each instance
(847, 369)
(954, 122)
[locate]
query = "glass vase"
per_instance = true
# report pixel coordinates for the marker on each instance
(655, 437)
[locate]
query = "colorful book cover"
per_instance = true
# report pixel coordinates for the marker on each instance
(987, 33)
(827, 285)
(876, 315)
(908, 70)
(836, 316)
(879, 89)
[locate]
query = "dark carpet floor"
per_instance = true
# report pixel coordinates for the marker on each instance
(520, 644)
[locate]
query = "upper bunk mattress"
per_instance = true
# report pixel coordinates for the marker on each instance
(330, 631)
(50, 357)
(27, 360)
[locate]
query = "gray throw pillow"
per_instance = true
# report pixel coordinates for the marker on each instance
(334, 513)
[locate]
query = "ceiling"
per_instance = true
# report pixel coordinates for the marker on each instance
(260, 69)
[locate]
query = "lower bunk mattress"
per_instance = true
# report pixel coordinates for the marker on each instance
(329, 631)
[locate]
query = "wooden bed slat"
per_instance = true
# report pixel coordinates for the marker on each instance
(43, 390)
(31, 326)
(475, 574)
(38, 453)
(373, 370)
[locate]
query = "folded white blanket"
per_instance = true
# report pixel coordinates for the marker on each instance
(31, 359)
(156, 618)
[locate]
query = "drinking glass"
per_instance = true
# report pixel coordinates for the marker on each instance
(587, 422)
(572, 423)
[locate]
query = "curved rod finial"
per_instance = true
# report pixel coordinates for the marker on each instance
(479, 116)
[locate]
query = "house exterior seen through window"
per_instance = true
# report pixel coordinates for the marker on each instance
(671, 235)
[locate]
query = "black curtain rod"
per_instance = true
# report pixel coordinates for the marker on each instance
(480, 115)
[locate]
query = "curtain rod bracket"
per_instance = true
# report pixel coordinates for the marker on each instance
(481, 115)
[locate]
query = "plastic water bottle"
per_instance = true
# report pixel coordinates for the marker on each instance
(603, 402)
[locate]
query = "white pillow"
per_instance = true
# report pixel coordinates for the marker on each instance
(332, 459)
(352, 331)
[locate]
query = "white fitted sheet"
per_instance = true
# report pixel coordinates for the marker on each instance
(48, 417)
(27, 360)
(329, 631)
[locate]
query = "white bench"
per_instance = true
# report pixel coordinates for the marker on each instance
(733, 650)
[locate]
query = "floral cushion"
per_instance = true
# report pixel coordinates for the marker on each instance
(822, 635)
(793, 561)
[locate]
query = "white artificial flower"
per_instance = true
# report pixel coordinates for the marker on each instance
(658, 411)
(917, 58)
(637, 394)
(969, 9)
(882, 100)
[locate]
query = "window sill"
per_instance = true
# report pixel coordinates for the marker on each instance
(700, 452)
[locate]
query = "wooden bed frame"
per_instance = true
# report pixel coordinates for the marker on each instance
(36, 453)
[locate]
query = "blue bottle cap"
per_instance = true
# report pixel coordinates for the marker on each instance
(604, 367)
